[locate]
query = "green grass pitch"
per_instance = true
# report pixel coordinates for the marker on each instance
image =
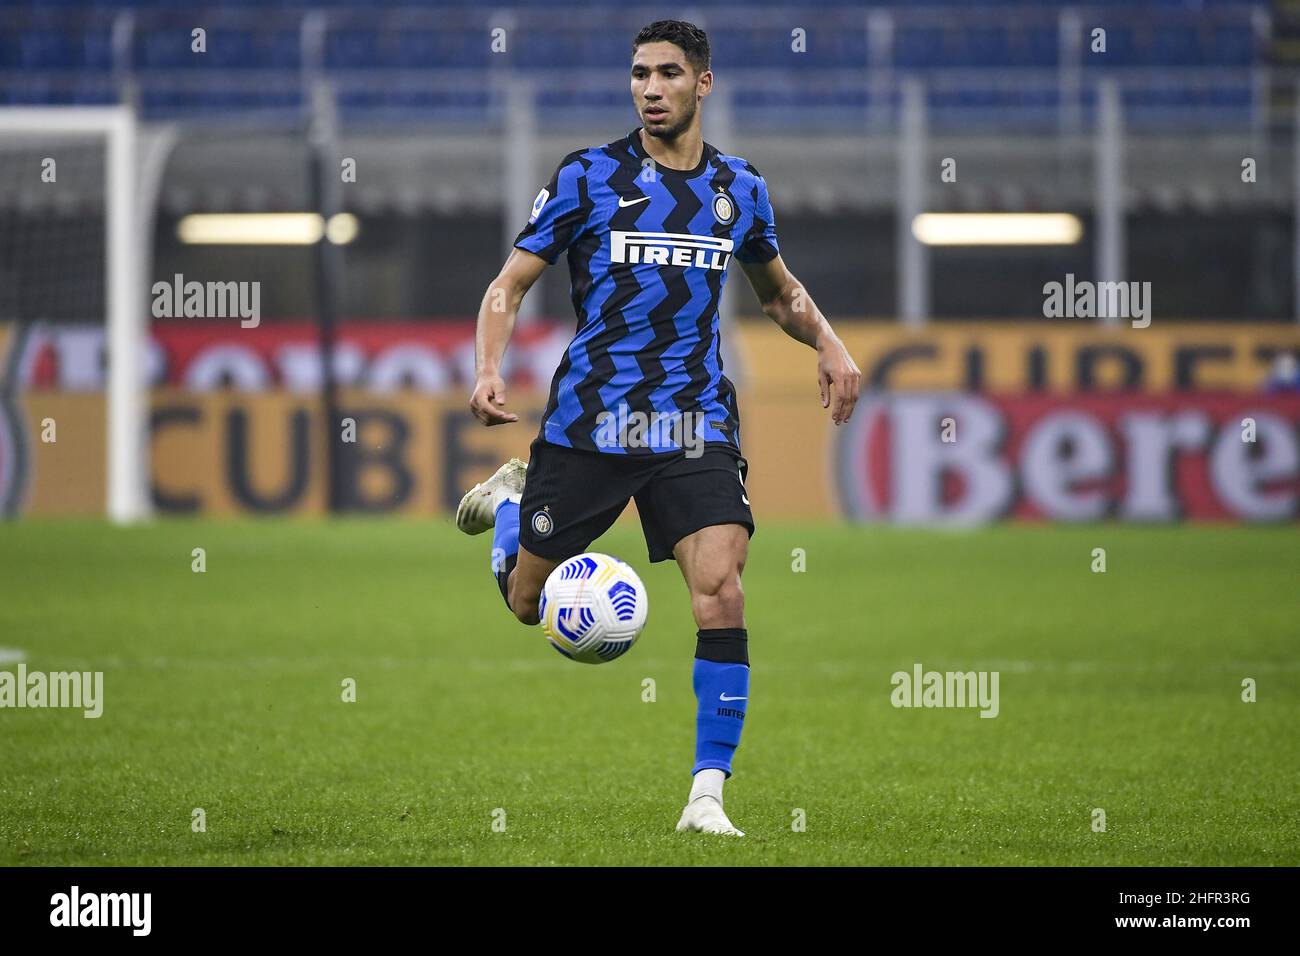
(1120, 691)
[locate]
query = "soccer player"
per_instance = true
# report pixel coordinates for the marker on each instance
(639, 407)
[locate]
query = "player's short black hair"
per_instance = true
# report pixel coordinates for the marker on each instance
(693, 41)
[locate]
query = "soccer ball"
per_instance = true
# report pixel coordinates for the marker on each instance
(592, 608)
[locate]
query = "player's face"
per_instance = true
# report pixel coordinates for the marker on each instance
(666, 89)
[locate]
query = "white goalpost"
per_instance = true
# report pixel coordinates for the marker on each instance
(40, 132)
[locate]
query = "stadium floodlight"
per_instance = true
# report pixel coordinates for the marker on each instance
(44, 132)
(997, 229)
(266, 228)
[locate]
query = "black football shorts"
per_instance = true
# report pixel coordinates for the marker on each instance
(571, 497)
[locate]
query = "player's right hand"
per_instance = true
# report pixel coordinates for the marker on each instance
(488, 403)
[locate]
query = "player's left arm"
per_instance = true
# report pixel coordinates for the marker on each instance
(786, 302)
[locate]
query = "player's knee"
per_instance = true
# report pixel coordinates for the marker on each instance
(525, 611)
(524, 604)
(719, 600)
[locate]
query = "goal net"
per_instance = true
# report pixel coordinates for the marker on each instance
(72, 254)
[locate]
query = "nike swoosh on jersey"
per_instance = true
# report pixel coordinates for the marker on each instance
(622, 203)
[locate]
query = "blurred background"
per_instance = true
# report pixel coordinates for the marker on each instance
(352, 176)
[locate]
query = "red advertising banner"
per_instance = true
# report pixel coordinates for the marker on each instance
(958, 458)
(437, 356)
(203, 355)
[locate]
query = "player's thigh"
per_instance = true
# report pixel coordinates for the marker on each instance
(692, 495)
(570, 499)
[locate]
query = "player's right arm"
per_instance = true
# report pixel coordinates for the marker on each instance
(559, 215)
(496, 323)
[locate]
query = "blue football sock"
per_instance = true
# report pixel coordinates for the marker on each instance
(721, 680)
(505, 545)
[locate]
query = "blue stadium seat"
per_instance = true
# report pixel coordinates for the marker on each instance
(352, 49)
(165, 49)
(46, 49)
(96, 48)
(919, 47)
(846, 48)
(416, 50)
(216, 101)
(542, 49)
(982, 47)
(1036, 47)
(1234, 45)
(363, 104)
(230, 49)
(69, 39)
(1174, 46)
(1121, 48)
(605, 49)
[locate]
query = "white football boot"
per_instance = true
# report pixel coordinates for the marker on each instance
(478, 509)
(704, 814)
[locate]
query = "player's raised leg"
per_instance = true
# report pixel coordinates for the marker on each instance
(712, 560)
(523, 588)
(478, 507)
(495, 504)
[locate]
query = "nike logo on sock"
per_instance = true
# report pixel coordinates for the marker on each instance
(725, 697)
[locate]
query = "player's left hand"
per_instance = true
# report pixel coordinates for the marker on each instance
(839, 377)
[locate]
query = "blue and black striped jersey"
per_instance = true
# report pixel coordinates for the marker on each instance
(648, 252)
